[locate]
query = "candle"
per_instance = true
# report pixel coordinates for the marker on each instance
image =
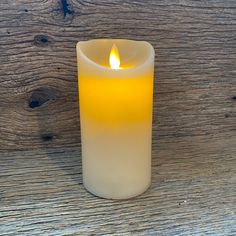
(115, 96)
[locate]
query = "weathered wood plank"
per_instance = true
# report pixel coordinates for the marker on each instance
(192, 193)
(194, 130)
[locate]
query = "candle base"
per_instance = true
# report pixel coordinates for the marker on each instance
(117, 162)
(125, 194)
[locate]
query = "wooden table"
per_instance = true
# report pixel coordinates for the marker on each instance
(194, 130)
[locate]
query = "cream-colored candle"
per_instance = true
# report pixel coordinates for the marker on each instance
(115, 95)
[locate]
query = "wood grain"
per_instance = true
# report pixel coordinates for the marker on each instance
(194, 130)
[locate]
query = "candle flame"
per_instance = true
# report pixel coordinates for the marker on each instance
(114, 58)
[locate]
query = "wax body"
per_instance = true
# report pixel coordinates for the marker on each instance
(116, 121)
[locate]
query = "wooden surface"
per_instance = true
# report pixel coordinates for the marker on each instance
(194, 130)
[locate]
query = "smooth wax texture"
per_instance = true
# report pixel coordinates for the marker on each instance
(116, 117)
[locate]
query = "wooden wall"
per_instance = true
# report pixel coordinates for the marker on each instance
(195, 85)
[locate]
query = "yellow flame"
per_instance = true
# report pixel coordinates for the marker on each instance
(114, 58)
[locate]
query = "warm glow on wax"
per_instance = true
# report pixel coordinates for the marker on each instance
(114, 58)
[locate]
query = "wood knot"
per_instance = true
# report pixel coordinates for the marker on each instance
(65, 7)
(47, 137)
(234, 98)
(42, 40)
(226, 115)
(41, 96)
(62, 11)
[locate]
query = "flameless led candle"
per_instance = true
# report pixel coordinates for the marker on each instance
(115, 95)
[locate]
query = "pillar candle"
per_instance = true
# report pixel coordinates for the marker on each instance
(115, 81)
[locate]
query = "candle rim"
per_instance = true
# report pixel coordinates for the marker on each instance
(146, 61)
